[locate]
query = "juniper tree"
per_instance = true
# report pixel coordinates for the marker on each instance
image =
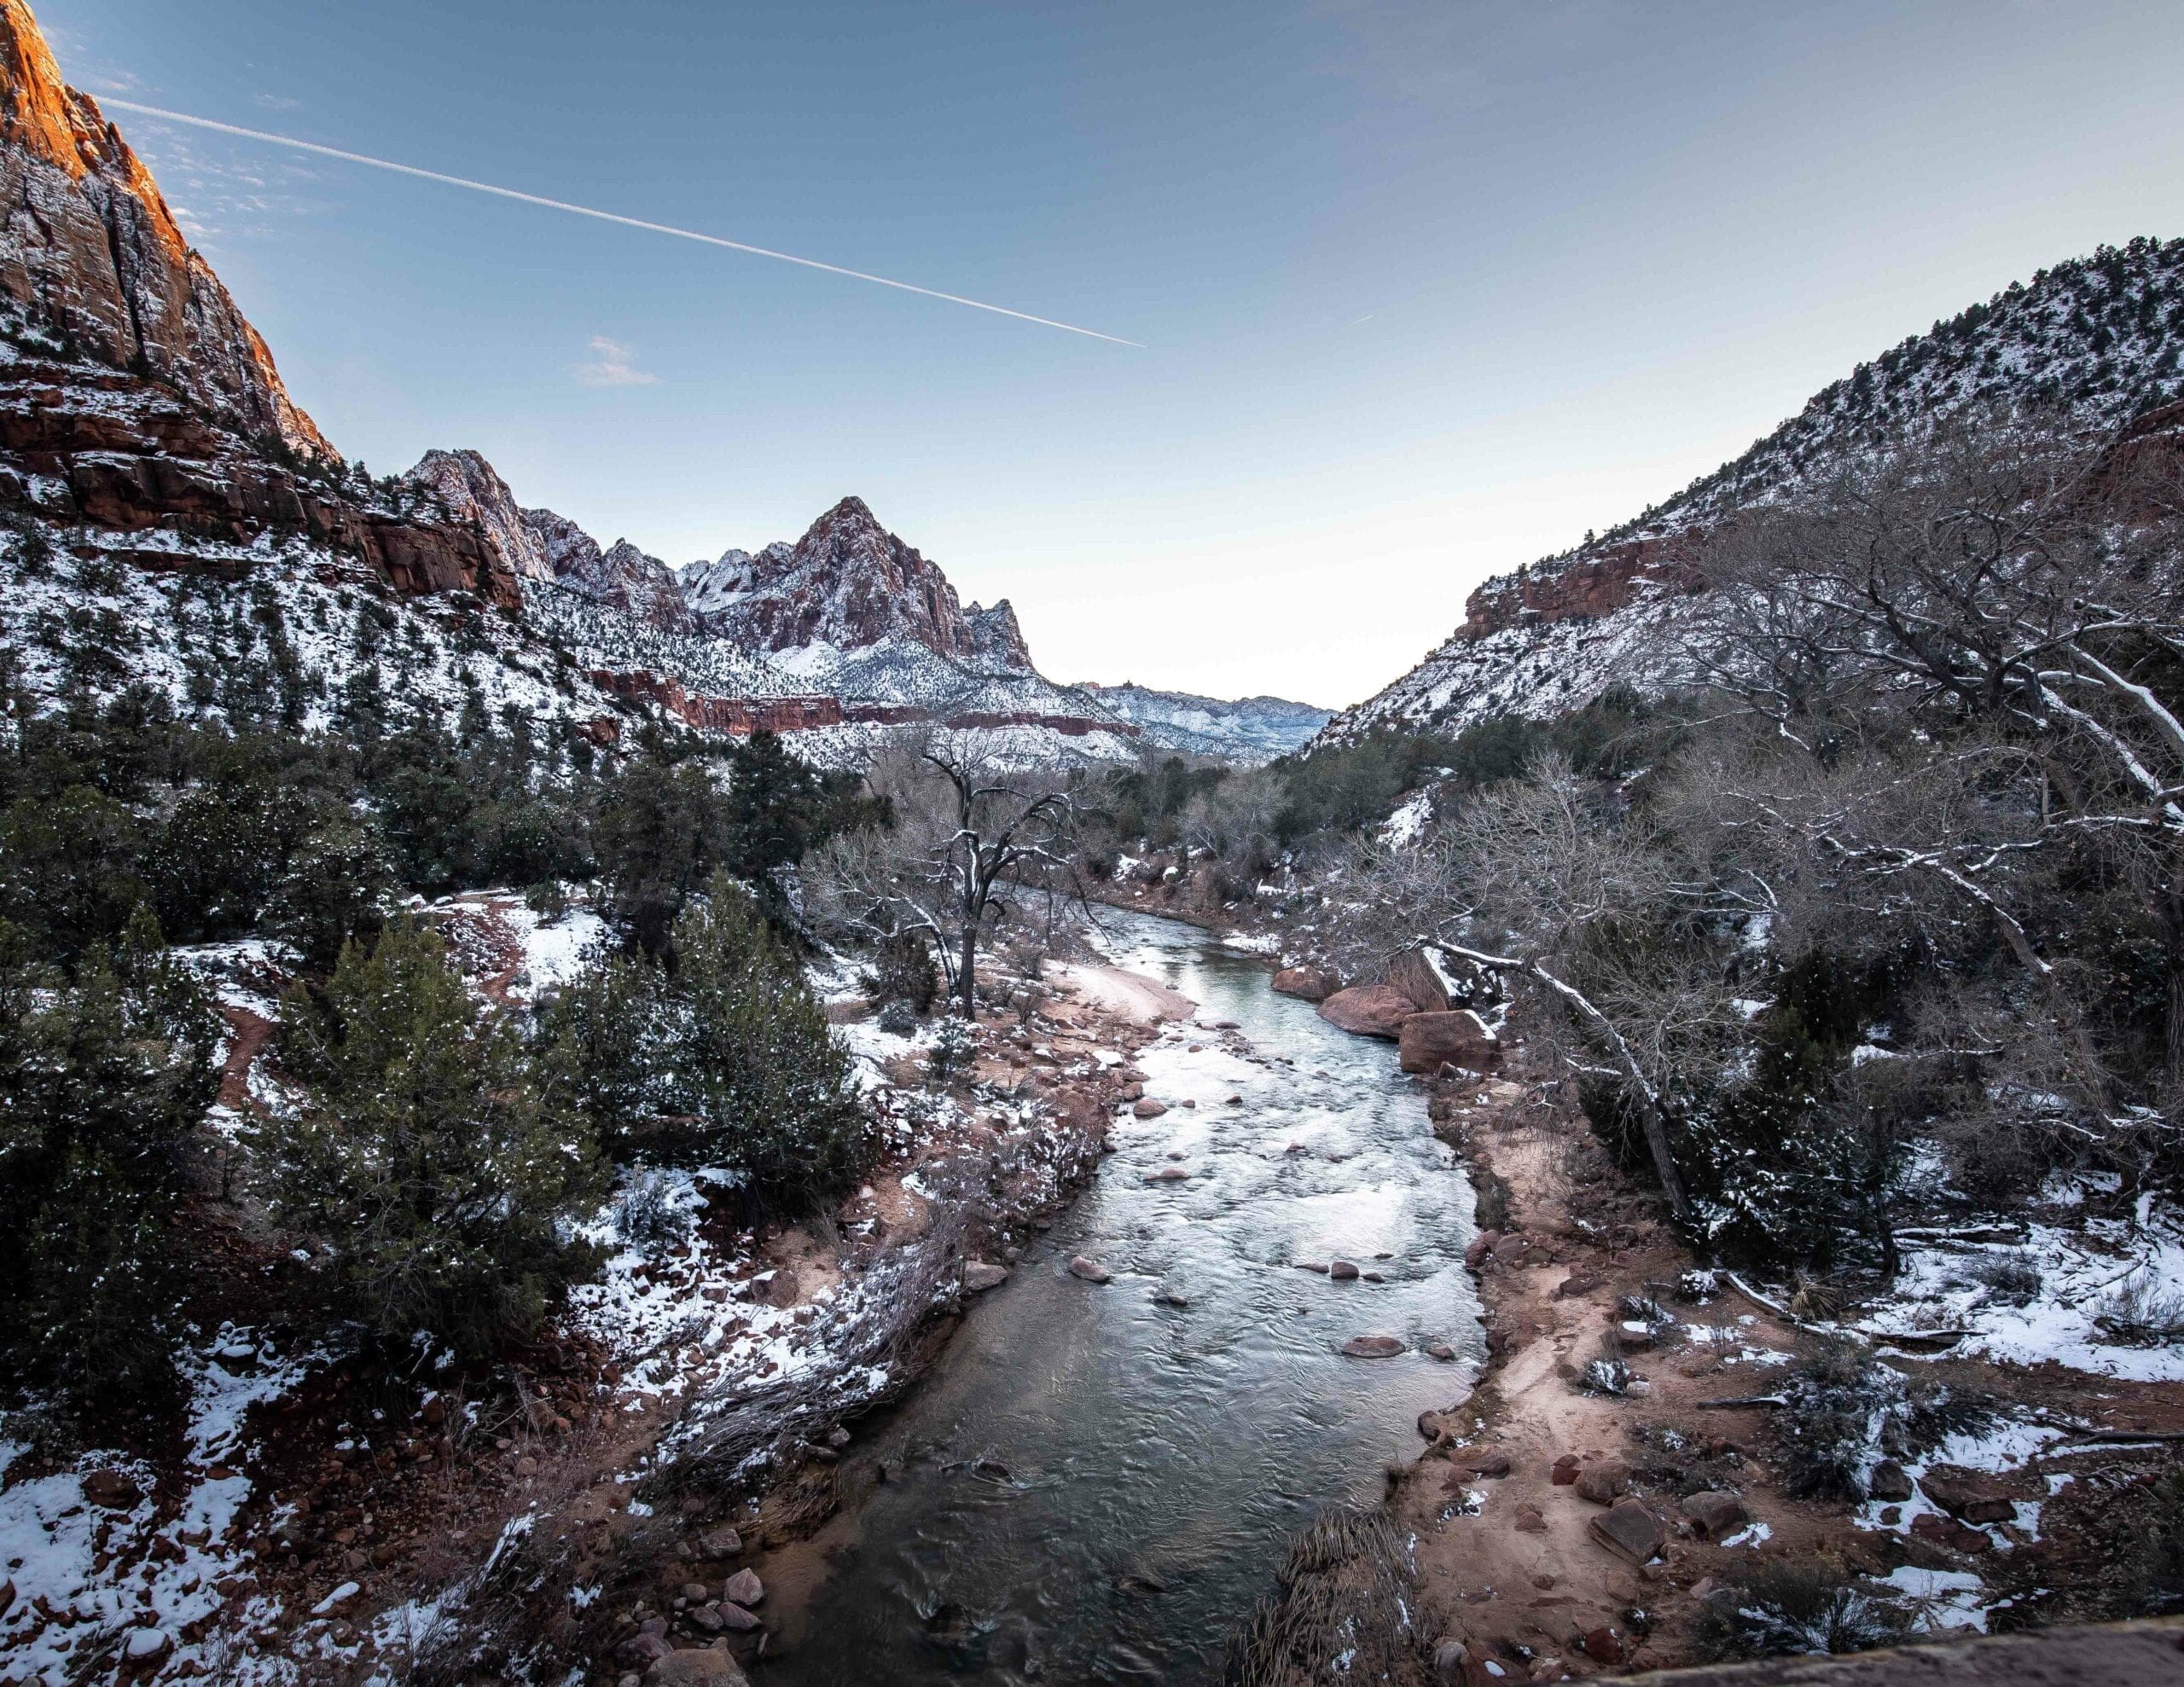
(437, 1169)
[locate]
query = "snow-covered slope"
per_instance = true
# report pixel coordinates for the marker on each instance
(2098, 338)
(1249, 730)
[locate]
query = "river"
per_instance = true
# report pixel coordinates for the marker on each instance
(1093, 1485)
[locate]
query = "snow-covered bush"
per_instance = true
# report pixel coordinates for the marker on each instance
(1845, 1412)
(1795, 1610)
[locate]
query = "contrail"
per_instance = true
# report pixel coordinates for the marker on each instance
(608, 216)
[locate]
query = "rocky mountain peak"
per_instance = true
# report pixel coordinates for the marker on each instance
(849, 583)
(997, 640)
(92, 259)
(471, 490)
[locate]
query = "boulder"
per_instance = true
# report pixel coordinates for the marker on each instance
(744, 1588)
(1368, 1011)
(737, 1620)
(1715, 1514)
(111, 1490)
(1600, 1483)
(1574, 1286)
(1491, 1461)
(1481, 1246)
(1090, 1270)
(1966, 1495)
(1148, 1108)
(1428, 1041)
(1310, 983)
(1565, 1469)
(708, 1668)
(980, 1275)
(641, 1649)
(1628, 1530)
(1343, 1271)
(1371, 1347)
(1449, 1657)
(1603, 1645)
(1413, 975)
(718, 1544)
(147, 1646)
(1530, 1519)
(1948, 1532)
(1889, 1481)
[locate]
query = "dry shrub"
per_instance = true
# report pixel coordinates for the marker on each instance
(1345, 1593)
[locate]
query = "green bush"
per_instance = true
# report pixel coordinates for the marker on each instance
(726, 1063)
(103, 1078)
(70, 869)
(334, 891)
(903, 972)
(426, 1155)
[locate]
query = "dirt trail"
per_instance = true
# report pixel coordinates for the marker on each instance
(1509, 1564)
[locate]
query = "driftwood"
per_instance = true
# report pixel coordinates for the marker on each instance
(1741, 1399)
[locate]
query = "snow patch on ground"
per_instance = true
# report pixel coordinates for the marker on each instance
(2085, 1273)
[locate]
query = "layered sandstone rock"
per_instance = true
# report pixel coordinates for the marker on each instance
(137, 398)
(996, 641)
(90, 250)
(471, 490)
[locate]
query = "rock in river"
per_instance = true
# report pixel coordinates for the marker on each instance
(1369, 1010)
(1371, 1347)
(1090, 1270)
(707, 1668)
(979, 1276)
(1149, 1109)
(1311, 983)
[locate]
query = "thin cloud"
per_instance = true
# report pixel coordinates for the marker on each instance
(616, 366)
(610, 217)
(276, 102)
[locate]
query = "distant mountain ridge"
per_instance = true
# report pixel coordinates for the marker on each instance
(1246, 729)
(2099, 338)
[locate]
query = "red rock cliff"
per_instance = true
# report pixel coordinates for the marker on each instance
(90, 250)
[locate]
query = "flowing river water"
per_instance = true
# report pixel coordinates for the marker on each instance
(1095, 1486)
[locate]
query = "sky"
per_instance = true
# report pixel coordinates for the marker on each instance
(1424, 289)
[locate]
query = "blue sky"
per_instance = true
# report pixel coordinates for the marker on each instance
(1425, 290)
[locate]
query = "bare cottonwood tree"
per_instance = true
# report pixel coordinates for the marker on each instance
(972, 831)
(1997, 617)
(1544, 883)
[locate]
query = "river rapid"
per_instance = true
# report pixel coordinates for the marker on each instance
(1093, 1485)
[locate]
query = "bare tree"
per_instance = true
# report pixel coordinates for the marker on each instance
(970, 833)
